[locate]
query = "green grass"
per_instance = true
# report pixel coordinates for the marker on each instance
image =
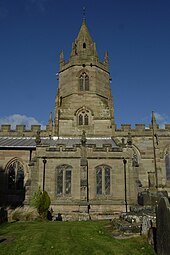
(66, 238)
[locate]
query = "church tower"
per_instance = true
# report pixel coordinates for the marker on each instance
(84, 100)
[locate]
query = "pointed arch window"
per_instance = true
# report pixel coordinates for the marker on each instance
(63, 180)
(84, 82)
(83, 118)
(15, 175)
(103, 180)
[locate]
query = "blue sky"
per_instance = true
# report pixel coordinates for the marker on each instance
(136, 34)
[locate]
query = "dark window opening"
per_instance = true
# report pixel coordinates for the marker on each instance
(84, 45)
(84, 82)
(15, 176)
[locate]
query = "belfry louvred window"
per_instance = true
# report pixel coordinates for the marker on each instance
(84, 82)
(15, 172)
(83, 118)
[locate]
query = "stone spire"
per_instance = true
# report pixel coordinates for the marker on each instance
(83, 45)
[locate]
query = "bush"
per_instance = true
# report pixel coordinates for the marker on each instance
(23, 214)
(41, 201)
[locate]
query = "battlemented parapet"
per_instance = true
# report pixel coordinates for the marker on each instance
(21, 131)
(124, 130)
(141, 130)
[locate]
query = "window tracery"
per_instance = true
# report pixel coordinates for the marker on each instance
(83, 118)
(103, 180)
(15, 175)
(63, 180)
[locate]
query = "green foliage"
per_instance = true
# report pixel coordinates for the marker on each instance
(41, 201)
(36, 198)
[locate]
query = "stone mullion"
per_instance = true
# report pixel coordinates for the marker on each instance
(103, 181)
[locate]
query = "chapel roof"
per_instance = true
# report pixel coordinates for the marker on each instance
(29, 142)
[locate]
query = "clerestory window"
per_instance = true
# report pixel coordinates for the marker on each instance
(84, 82)
(103, 180)
(15, 172)
(63, 180)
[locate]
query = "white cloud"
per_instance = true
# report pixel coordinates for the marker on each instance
(17, 119)
(161, 119)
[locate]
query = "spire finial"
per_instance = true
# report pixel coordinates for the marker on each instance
(84, 13)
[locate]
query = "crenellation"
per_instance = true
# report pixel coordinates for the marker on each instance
(140, 127)
(167, 126)
(35, 128)
(5, 128)
(20, 128)
(126, 127)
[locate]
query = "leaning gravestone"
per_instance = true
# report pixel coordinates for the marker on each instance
(163, 227)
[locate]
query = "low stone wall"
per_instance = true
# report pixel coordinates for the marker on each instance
(163, 227)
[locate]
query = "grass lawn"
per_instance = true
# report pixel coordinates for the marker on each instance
(66, 238)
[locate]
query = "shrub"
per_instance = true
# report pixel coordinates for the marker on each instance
(41, 201)
(23, 214)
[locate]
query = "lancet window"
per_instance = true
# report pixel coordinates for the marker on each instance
(15, 172)
(63, 180)
(84, 82)
(103, 180)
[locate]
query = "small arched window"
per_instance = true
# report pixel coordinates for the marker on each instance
(103, 180)
(84, 82)
(15, 175)
(84, 45)
(63, 180)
